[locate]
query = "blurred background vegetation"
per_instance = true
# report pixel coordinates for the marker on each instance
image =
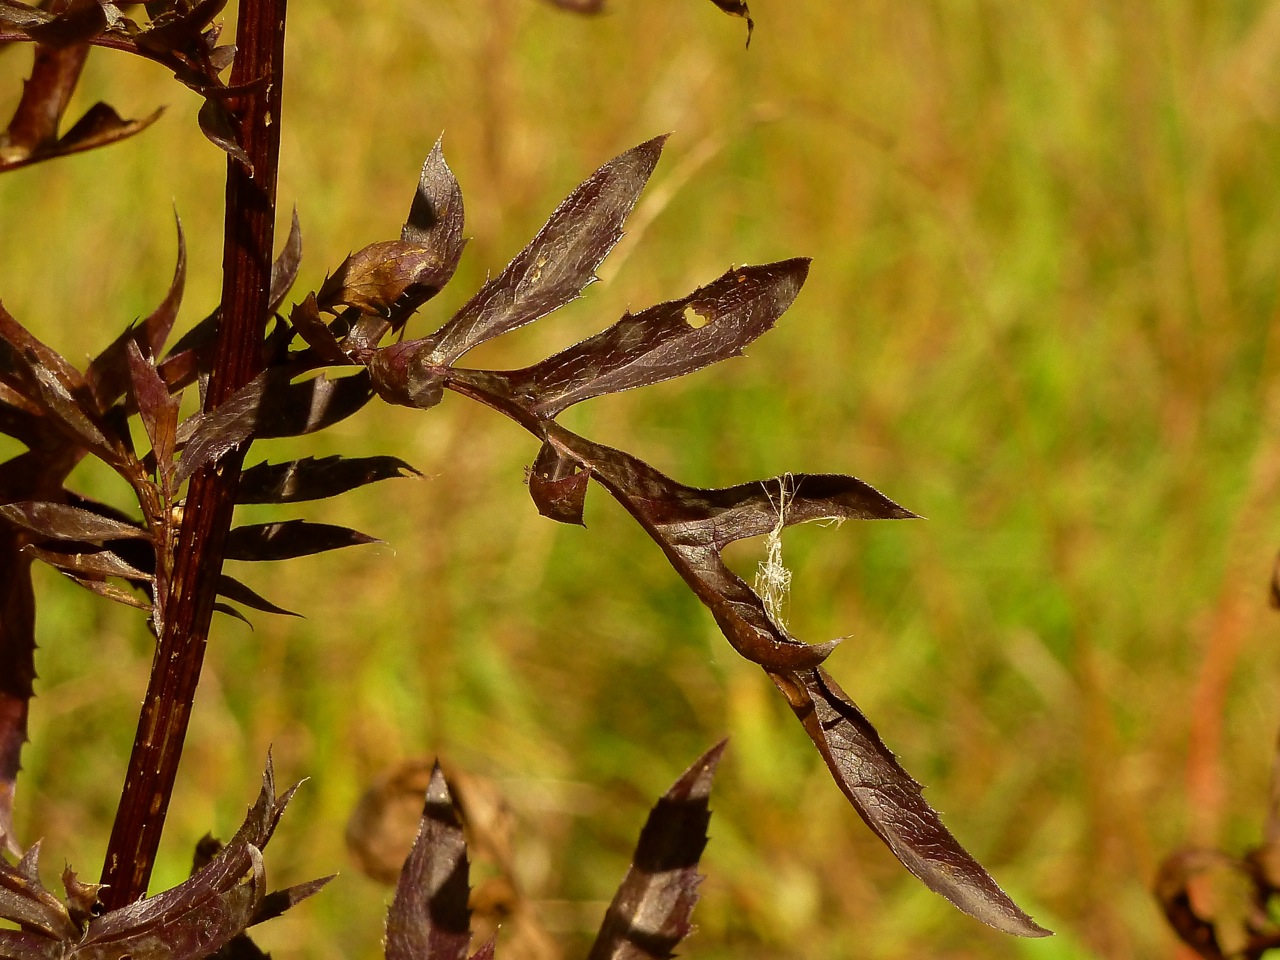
(1042, 313)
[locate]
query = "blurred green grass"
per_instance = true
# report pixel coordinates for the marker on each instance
(1042, 313)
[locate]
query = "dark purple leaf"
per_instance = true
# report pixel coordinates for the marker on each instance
(176, 30)
(28, 904)
(157, 409)
(284, 271)
(312, 479)
(61, 521)
(650, 912)
(21, 419)
(289, 538)
(233, 589)
(738, 8)
(306, 319)
(558, 485)
(221, 57)
(100, 126)
(108, 375)
(892, 803)
(189, 922)
(270, 406)
(436, 216)
(43, 376)
(559, 262)
(692, 526)
(375, 277)
(231, 611)
(429, 918)
(670, 340)
(222, 130)
(82, 20)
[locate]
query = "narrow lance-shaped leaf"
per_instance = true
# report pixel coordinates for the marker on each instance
(84, 563)
(290, 538)
(670, 340)
(108, 591)
(62, 521)
(157, 409)
(437, 216)
(315, 479)
(650, 913)
(100, 126)
(429, 918)
(892, 803)
(692, 526)
(233, 589)
(108, 375)
(284, 270)
(559, 262)
(269, 406)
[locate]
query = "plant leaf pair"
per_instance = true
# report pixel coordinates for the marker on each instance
(429, 918)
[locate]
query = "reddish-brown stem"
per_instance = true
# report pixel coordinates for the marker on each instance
(175, 671)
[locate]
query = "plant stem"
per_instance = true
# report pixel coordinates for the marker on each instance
(175, 671)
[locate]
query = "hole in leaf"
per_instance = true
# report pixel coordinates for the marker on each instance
(694, 319)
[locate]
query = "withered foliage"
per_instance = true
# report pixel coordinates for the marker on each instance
(195, 919)
(324, 359)
(343, 326)
(1223, 906)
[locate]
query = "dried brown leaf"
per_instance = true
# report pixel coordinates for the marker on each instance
(374, 278)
